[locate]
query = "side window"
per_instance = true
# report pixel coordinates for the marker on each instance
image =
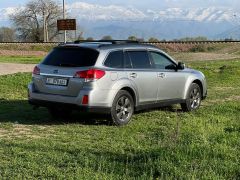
(127, 62)
(160, 61)
(115, 59)
(140, 59)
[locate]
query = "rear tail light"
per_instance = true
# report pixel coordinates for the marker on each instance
(91, 74)
(36, 70)
(85, 100)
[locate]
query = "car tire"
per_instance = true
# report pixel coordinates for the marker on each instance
(194, 98)
(59, 112)
(122, 108)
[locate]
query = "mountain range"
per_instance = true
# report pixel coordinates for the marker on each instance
(171, 23)
(97, 12)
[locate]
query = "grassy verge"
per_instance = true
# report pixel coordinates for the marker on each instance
(164, 143)
(20, 59)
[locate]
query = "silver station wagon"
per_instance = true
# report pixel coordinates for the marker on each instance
(113, 77)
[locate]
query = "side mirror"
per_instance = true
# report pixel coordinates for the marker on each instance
(171, 66)
(180, 66)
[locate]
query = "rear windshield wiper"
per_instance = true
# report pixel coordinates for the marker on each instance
(68, 65)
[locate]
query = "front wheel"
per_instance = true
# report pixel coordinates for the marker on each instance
(122, 108)
(194, 98)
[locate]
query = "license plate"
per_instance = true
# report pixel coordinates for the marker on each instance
(57, 81)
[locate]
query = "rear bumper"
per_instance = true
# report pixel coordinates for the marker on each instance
(43, 103)
(50, 100)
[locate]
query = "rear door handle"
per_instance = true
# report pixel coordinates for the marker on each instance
(133, 75)
(161, 75)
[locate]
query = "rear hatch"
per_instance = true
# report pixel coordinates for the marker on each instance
(58, 69)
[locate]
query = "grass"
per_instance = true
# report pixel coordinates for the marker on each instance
(20, 59)
(157, 144)
(187, 52)
(188, 57)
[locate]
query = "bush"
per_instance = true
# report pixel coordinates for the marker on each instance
(198, 48)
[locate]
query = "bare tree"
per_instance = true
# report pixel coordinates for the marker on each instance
(76, 35)
(37, 21)
(7, 34)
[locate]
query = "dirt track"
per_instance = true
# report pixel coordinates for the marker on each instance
(10, 68)
(22, 53)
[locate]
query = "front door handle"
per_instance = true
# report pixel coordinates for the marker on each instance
(161, 75)
(133, 75)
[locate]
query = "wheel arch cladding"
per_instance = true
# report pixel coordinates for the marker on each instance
(132, 93)
(198, 82)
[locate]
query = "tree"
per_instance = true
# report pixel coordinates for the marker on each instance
(132, 38)
(80, 36)
(152, 39)
(37, 20)
(7, 34)
(199, 38)
(90, 39)
(107, 38)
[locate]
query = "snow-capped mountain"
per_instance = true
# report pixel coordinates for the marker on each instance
(88, 11)
(211, 14)
(4, 15)
(171, 23)
(5, 12)
(82, 10)
(120, 21)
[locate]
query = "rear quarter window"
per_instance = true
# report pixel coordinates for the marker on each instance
(115, 59)
(71, 57)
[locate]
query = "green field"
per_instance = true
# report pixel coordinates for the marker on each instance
(20, 59)
(181, 52)
(158, 144)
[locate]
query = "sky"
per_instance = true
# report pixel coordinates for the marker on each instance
(141, 4)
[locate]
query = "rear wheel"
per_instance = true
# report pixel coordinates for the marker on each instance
(194, 98)
(122, 108)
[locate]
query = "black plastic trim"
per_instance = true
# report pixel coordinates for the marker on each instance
(159, 104)
(205, 96)
(93, 109)
(107, 41)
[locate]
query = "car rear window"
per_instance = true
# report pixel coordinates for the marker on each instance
(71, 57)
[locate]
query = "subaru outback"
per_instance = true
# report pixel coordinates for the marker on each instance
(113, 77)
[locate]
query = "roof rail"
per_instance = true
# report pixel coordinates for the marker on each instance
(107, 41)
(63, 43)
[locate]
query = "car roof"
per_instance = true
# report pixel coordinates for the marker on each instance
(109, 45)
